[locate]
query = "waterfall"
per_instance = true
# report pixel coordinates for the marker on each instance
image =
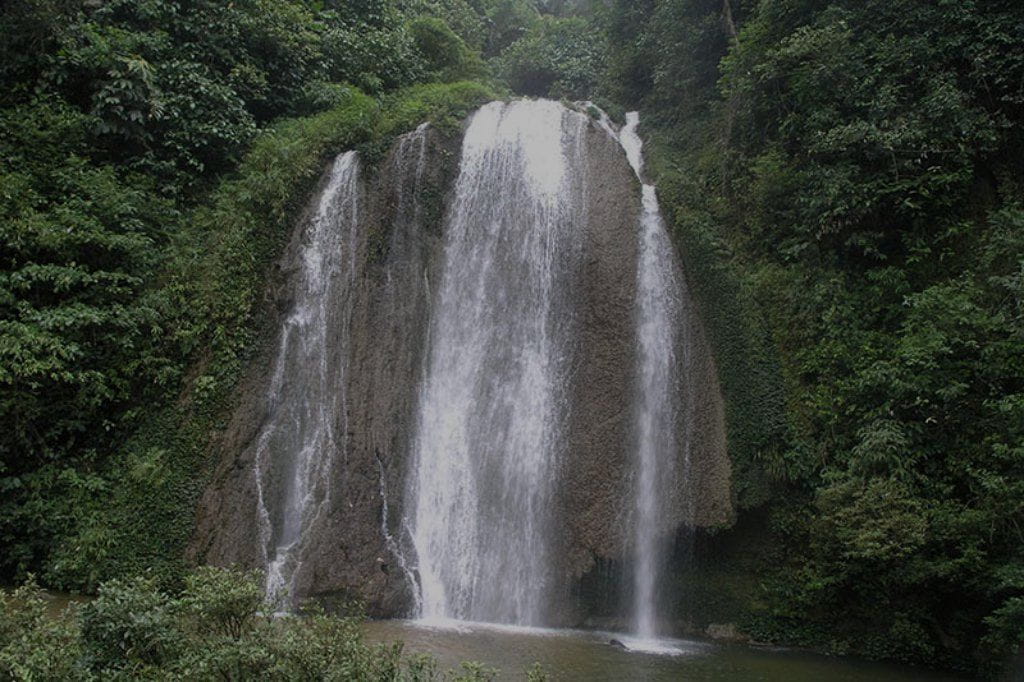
(481, 390)
(491, 417)
(305, 425)
(657, 426)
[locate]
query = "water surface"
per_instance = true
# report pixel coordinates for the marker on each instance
(578, 655)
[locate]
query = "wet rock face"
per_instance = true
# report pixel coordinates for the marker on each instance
(395, 254)
(599, 475)
(596, 495)
(353, 547)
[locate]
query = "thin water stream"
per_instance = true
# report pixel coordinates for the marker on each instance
(305, 428)
(660, 441)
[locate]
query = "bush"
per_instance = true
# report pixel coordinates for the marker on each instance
(218, 628)
(33, 644)
(559, 58)
(445, 56)
(222, 602)
(129, 628)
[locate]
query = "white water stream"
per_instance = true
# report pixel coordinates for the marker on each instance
(656, 410)
(306, 422)
(492, 411)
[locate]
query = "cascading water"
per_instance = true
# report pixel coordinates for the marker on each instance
(305, 426)
(520, 371)
(659, 312)
(491, 415)
(407, 225)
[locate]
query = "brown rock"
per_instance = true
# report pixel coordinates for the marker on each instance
(397, 259)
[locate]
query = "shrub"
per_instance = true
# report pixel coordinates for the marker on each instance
(445, 56)
(129, 628)
(221, 602)
(558, 58)
(33, 644)
(218, 628)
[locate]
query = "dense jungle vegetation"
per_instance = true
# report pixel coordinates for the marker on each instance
(846, 177)
(843, 179)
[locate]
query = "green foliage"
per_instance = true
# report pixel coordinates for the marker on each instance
(845, 173)
(76, 323)
(492, 26)
(248, 216)
(225, 603)
(122, 268)
(446, 57)
(557, 58)
(374, 58)
(666, 54)
(535, 673)
(140, 518)
(1005, 628)
(217, 628)
(128, 629)
(444, 106)
(181, 93)
(508, 21)
(33, 644)
(465, 17)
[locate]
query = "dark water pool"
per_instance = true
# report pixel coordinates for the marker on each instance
(578, 655)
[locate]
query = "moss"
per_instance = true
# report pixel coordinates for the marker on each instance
(444, 105)
(748, 365)
(433, 197)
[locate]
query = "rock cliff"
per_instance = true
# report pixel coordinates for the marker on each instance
(354, 549)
